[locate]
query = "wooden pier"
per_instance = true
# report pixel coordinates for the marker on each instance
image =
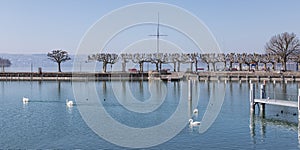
(263, 100)
(69, 76)
(277, 102)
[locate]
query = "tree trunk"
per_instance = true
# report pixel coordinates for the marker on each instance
(191, 67)
(123, 66)
(160, 66)
(156, 65)
(208, 67)
(196, 65)
(178, 69)
(104, 66)
(214, 66)
(59, 69)
(284, 65)
(141, 66)
(256, 66)
(240, 66)
(265, 65)
(273, 66)
(230, 65)
(174, 66)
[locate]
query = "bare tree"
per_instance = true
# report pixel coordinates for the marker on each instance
(241, 58)
(58, 56)
(156, 59)
(205, 58)
(255, 60)
(222, 58)
(195, 57)
(231, 58)
(213, 59)
(140, 59)
(105, 58)
(4, 63)
(283, 45)
(168, 58)
(125, 59)
(296, 59)
(265, 59)
(173, 59)
(248, 60)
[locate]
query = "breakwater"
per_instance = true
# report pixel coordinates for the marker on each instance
(249, 76)
(202, 76)
(68, 76)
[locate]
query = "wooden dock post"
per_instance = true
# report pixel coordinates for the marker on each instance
(299, 115)
(298, 105)
(190, 89)
(262, 96)
(252, 96)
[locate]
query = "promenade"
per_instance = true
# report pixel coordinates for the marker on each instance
(202, 76)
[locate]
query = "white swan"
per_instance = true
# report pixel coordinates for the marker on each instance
(25, 100)
(69, 103)
(192, 123)
(195, 111)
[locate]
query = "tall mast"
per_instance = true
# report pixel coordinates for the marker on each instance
(157, 35)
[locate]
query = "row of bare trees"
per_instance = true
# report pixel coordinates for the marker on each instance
(4, 63)
(193, 59)
(140, 58)
(281, 48)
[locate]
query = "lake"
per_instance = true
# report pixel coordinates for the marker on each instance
(46, 123)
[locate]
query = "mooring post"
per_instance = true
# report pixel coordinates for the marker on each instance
(262, 96)
(252, 96)
(299, 105)
(299, 115)
(189, 89)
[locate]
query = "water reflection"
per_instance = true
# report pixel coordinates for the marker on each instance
(59, 89)
(259, 125)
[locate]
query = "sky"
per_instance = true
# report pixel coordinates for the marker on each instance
(39, 26)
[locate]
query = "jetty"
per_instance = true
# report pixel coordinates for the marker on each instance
(249, 76)
(241, 76)
(262, 101)
(71, 76)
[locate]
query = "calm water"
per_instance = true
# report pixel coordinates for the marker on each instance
(45, 122)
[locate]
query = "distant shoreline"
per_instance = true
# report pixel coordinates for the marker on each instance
(202, 76)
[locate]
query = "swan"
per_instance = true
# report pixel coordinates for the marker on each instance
(69, 103)
(195, 111)
(25, 100)
(192, 123)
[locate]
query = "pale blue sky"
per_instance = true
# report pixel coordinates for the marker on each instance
(38, 26)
